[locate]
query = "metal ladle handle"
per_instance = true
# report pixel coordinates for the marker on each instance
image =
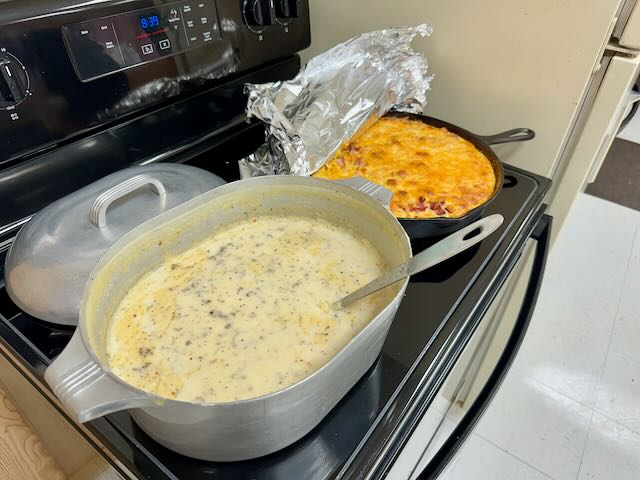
(98, 211)
(375, 191)
(446, 248)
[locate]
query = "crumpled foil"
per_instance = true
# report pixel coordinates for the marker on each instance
(334, 98)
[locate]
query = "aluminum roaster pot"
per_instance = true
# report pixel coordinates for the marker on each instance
(243, 429)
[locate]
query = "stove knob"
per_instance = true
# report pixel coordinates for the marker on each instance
(286, 8)
(257, 12)
(14, 81)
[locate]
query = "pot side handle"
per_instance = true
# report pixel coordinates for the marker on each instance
(375, 191)
(85, 389)
(515, 135)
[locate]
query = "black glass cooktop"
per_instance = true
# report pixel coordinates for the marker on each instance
(360, 426)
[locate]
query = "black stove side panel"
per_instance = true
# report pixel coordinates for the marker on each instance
(70, 67)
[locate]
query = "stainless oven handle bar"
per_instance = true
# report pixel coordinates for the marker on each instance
(456, 439)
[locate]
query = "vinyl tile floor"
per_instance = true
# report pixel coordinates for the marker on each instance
(569, 407)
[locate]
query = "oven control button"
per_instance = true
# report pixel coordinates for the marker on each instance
(286, 8)
(147, 49)
(256, 13)
(14, 81)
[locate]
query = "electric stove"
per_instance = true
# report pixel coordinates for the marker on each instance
(438, 303)
(67, 120)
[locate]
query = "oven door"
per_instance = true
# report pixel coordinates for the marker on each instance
(479, 370)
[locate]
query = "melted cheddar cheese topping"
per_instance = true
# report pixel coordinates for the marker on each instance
(432, 172)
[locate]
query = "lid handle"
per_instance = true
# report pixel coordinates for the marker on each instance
(98, 211)
(85, 388)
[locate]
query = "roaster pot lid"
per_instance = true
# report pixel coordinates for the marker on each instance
(53, 254)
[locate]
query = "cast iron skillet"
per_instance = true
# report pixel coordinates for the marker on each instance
(436, 227)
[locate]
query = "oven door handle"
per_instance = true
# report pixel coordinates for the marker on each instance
(449, 448)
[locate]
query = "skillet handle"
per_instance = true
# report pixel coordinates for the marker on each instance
(85, 389)
(515, 135)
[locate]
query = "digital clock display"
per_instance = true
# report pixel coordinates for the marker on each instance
(150, 21)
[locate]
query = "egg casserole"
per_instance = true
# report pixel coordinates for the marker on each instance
(431, 171)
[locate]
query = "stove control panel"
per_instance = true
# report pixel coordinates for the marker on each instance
(107, 45)
(70, 68)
